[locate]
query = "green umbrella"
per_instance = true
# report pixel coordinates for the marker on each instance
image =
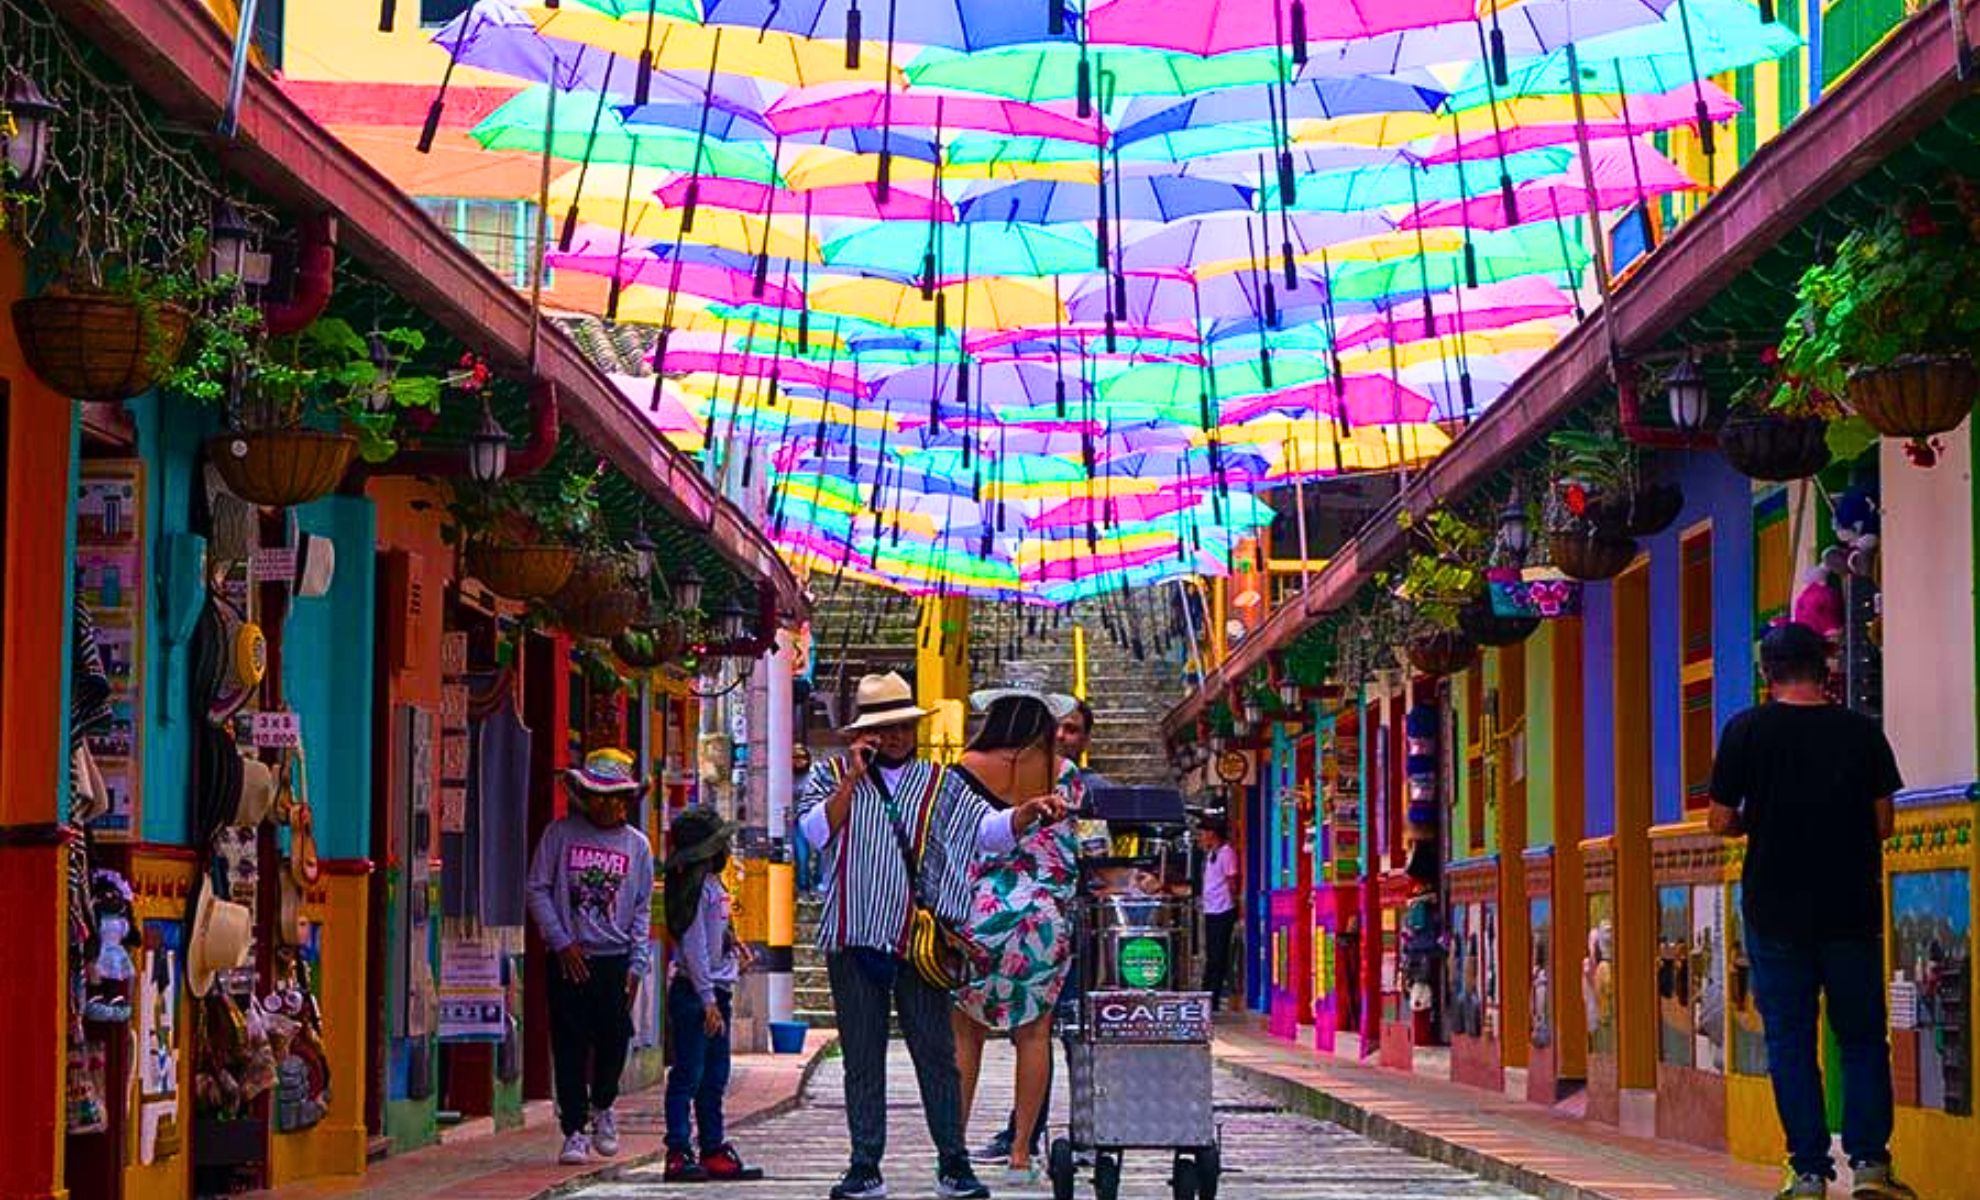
(1501, 255)
(671, 10)
(524, 121)
(1356, 189)
(1031, 251)
(1050, 71)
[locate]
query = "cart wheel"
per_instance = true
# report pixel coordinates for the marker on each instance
(1107, 1175)
(1059, 1165)
(1183, 1179)
(1209, 1168)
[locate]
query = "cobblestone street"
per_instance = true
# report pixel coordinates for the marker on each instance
(1268, 1154)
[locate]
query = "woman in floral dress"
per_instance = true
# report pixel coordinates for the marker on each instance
(1019, 921)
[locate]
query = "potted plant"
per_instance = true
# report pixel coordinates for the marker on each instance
(1889, 323)
(278, 393)
(522, 547)
(1445, 584)
(1592, 503)
(602, 598)
(1778, 422)
(108, 341)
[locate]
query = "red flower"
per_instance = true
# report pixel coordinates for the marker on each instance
(1771, 356)
(1576, 498)
(1918, 223)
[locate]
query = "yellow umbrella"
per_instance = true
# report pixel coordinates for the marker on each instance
(687, 47)
(994, 303)
(651, 221)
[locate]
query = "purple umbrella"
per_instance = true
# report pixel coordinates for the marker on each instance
(1321, 99)
(1527, 30)
(1141, 198)
(1158, 298)
(952, 24)
(1234, 238)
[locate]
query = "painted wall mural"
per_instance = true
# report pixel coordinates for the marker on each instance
(1931, 989)
(1540, 918)
(1749, 1037)
(1598, 974)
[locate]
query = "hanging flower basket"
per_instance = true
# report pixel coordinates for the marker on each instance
(590, 575)
(606, 614)
(1773, 447)
(1917, 396)
(1442, 652)
(280, 468)
(1480, 622)
(644, 647)
(91, 346)
(1589, 555)
(521, 572)
(1646, 512)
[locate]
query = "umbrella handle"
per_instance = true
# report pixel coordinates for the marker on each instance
(1292, 272)
(1298, 33)
(1501, 68)
(693, 202)
(852, 36)
(1055, 17)
(388, 11)
(569, 232)
(1083, 83)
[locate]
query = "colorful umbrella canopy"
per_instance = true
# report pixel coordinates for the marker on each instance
(1045, 301)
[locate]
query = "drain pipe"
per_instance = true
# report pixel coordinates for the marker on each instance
(316, 264)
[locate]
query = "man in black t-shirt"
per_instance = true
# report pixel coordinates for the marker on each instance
(1809, 784)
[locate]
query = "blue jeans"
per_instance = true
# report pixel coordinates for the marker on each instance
(1789, 981)
(699, 1073)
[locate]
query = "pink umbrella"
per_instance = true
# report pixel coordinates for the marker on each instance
(856, 105)
(1079, 333)
(1219, 26)
(1647, 114)
(1626, 171)
(1363, 400)
(665, 410)
(1494, 306)
(1071, 570)
(789, 370)
(723, 285)
(1083, 511)
(904, 201)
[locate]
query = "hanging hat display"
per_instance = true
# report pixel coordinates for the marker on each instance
(243, 661)
(222, 936)
(255, 796)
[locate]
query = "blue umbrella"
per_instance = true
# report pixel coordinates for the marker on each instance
(953, 24)
(1139, 198)
(1311, 99)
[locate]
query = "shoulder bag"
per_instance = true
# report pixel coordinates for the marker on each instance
(935, 951)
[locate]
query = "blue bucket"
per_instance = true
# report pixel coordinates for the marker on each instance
(787, 1037)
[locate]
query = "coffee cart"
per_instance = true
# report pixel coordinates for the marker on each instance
(1138, 1041)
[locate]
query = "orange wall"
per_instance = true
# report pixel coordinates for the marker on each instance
(33, 621)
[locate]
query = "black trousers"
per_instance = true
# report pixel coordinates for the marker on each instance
(1219, 930)
(862, 1004)
(590, 1028)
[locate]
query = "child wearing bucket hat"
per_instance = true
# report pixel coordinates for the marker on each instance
(591, 895)
(707, 962)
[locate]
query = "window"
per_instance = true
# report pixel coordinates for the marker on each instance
(439, 12)
(501, 233)
(1695, 659)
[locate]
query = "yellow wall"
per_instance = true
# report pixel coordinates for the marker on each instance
(159, 883)
(339, 907)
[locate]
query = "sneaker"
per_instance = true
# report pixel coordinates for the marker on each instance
(577, 1150)
(605, 1134)
(723, 1163)
(960, 1183)
(1804, 1187)
(1874, 1181)
(996, 1150)
(1018, 1177)
(860, 1183)
(681, 1168)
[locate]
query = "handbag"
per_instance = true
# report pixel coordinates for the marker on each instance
(935, 950)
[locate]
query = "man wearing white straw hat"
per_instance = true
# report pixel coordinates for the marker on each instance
(854, 810)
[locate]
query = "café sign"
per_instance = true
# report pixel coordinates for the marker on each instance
(1151, 1016)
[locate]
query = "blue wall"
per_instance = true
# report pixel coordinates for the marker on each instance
(1598, 705)
(168, 440)
(327, 667)
(1713, 492)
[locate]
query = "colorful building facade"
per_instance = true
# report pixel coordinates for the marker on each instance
(1578, 933)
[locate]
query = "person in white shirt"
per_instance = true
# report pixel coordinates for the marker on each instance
(1220, 908)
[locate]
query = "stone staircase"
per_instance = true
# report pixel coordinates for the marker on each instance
(812, 992)
(1129, 693)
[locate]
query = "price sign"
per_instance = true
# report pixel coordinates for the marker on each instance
(272, 564)
(277, 730)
